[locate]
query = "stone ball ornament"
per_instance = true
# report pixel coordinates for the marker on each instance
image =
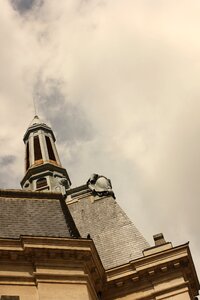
(100, 185)
(64, 182)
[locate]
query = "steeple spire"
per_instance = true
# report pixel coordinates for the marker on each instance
(43, 169)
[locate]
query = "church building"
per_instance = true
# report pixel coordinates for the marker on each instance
(64, 243)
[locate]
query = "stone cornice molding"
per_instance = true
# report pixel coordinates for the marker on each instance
(167, 263)
(54, 253)
(24, 194)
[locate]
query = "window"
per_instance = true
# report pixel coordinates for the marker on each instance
(50, 149)
(27, 156)
(41, 183)
(37, 148)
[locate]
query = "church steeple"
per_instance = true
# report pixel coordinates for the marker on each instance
(43, 169)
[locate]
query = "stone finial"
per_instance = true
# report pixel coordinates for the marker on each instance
(100, 185)
(159, 239)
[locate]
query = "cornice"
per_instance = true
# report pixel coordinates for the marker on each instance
(25, 194)
(35, 128)
(156, 266)
(37, 251)
(33, 171)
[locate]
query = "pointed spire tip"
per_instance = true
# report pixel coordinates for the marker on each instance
(36, 120)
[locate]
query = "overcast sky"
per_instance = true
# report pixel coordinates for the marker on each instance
(119, 82)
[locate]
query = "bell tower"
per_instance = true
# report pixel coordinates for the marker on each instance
(43, 169)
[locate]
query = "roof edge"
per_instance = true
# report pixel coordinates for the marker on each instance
(18, 193)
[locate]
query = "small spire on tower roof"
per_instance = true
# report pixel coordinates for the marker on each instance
(36, 120)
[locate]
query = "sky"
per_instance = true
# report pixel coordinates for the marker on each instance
(118, 81)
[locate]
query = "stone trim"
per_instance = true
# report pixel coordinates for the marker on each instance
(36, 251)
(172, 263)
(24, 194)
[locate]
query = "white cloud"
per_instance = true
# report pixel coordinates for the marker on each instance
(132, 68)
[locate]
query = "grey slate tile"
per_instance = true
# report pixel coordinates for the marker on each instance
(33, 216)
(117, 239)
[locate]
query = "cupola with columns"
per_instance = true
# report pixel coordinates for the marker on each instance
(43, 169)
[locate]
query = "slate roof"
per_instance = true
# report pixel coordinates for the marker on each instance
(116, 238)
(34, 214)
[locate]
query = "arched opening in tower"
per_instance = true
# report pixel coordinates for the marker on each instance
(37, 150)
(50, 149)
(27, 156)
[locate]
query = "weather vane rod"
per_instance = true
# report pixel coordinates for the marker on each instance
(34, 104)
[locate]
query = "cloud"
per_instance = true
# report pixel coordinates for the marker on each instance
(119, 83)
(6, 167)
(6, 160)
(24, 6)
(68, 120)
